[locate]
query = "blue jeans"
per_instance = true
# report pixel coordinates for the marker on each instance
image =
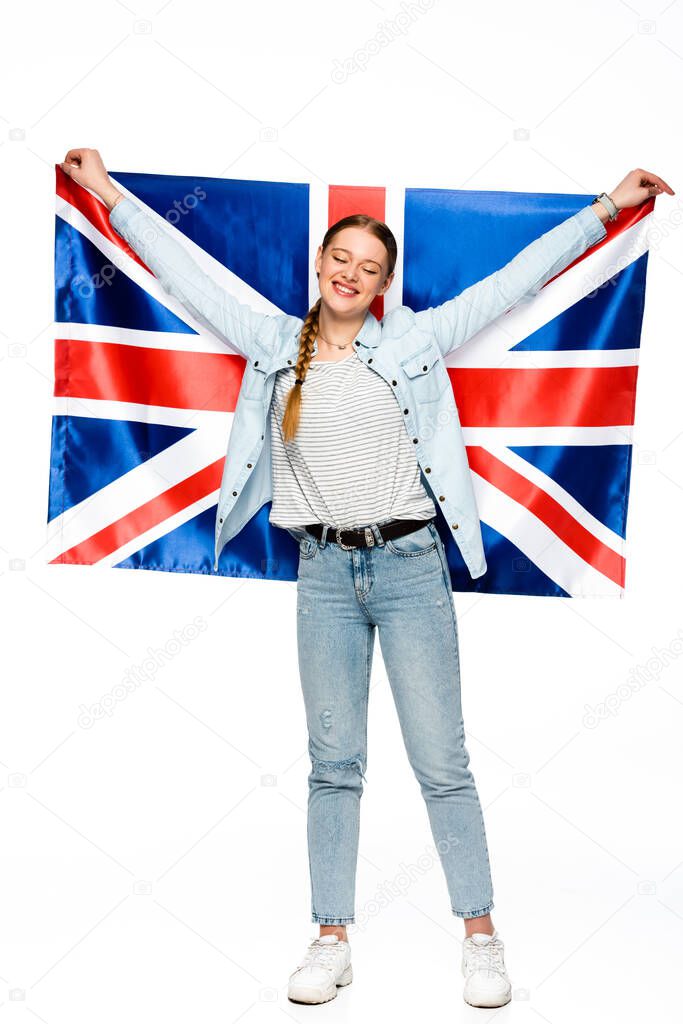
(402, 587)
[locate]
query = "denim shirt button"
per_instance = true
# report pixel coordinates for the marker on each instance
(454, 525)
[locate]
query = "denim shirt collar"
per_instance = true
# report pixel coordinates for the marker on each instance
(369, 334)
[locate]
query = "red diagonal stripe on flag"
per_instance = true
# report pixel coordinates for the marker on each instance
(93, 210)
(581, 541)
(625, 220)
(145, 517)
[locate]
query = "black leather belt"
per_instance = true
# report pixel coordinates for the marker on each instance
(362, 536)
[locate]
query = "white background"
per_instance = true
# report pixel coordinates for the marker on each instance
(155, 865)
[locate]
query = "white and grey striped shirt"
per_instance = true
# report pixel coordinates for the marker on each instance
(351, 462)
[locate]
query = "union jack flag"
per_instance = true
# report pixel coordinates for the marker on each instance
(144, 395)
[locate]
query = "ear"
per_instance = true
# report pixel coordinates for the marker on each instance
(318, 259)
(387, 283)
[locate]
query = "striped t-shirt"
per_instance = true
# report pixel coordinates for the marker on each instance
(351, 462)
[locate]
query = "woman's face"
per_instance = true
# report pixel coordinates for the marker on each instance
(352, 271)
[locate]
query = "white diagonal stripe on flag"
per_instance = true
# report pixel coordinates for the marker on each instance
(540, 544)
(141, 484)
(574, 508)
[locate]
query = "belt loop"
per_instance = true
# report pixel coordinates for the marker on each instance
(323, 539)
(378, 536)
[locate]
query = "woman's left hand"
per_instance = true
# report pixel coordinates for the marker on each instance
(637, 186)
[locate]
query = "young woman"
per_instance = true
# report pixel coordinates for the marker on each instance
(350, 426)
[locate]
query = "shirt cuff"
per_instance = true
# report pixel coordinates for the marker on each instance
(591, 225)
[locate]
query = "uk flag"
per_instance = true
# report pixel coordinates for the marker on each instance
(144, 395)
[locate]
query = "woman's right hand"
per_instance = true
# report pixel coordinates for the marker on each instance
(86, 168)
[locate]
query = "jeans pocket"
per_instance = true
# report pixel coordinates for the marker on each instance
(308, 547)
(419, 542)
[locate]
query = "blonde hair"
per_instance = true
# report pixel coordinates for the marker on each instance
(309, 331)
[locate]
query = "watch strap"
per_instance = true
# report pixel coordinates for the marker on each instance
(609, 205)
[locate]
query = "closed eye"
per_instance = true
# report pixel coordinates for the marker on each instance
(367, 269)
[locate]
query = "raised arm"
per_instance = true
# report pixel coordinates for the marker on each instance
(180, 276)
(456, 320)
(177, 272)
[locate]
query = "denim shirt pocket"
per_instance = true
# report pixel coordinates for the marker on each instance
(426, 373)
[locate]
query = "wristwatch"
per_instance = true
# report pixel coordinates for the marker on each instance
(609, 205)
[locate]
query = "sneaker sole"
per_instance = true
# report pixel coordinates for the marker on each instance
(302, 994)
(486, 999)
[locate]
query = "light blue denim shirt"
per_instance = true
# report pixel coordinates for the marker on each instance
(406, 348)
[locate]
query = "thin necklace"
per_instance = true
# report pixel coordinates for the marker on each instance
(334, 344)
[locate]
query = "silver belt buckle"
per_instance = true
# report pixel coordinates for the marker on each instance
(369, 537)
(337, 536)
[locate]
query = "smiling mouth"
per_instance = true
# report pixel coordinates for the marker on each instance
(340, 289)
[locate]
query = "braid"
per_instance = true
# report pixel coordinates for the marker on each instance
(309, 332)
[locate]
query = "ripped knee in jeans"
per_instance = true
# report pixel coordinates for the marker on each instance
(347, 764)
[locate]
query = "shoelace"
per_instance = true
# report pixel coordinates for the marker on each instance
(319, 955)
(488, 957)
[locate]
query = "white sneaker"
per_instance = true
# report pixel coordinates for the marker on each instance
(326, 964)
(486, 980)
